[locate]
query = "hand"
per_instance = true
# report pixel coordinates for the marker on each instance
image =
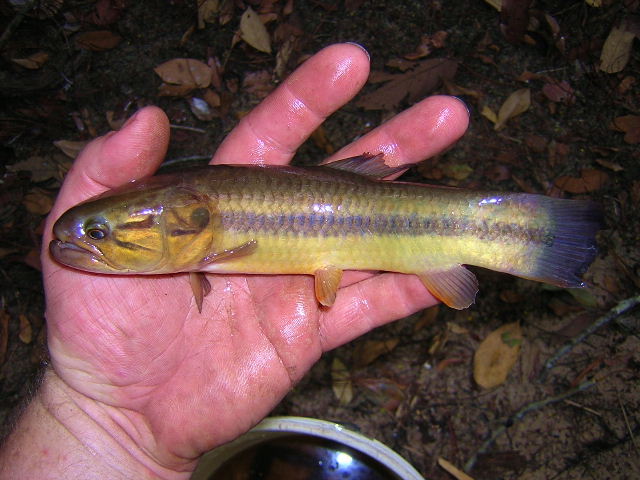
(135, 352)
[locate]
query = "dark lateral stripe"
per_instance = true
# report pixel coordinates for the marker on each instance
(330, 225)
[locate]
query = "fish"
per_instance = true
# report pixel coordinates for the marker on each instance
(323, 220)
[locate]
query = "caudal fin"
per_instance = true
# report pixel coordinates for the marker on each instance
(570, 246)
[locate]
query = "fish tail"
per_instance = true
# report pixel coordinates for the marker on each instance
(569, 246)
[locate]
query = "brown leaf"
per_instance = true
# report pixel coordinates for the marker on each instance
(496, 355)
(411, 86)
(366, 352)
(38, 201)
(98, 41)
(630, 124)
(258, 83)
(384, 392)
(514, 19)
(559, 92)
(41, 168)
(321, 140)
(32, 62)
(590, 180)
(515, 104)
(208, 11)
(341, 382)
(71, 148)
(253, 31)
(185, 74)
(616, 50)
(26, 332)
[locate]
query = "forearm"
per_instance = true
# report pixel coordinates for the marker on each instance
(63, 434)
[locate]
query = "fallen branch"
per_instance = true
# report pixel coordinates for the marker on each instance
(519, 415)
(621, 308)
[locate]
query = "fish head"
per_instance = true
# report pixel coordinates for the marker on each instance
(146, 227)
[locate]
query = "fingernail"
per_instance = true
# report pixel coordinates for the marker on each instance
(463, 103)
(361, 47)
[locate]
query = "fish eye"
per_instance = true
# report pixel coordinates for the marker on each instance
(96, 230)
(96, 233)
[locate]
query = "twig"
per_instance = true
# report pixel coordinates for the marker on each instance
(189, 129)
(626, 422)
(623, 307)
(15, 22)
(519, 415)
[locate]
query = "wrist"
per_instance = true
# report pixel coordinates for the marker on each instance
(64, 434)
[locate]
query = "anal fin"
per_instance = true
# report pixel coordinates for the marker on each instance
(327, 281)
(455, 286)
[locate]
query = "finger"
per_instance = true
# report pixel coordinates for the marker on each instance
(134, 151)
(419, 132)
(273, 130)
(365, 305)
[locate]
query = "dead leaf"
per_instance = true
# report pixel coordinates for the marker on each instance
(515, 104)
(630, 124)
(445, 464)
(98, 41)
(614, 166)
(413, 85)
(41, 168)
(497, 4)
(489, 114)
(4, 335)
(208, 11)
(458, 90)
(71, 148)
(183, 75)
(590, 180)
(38, 201)
(559, 92)
(5, 252)
(321, 140)
(366, 352)
(616, 50)
(514, 19)
(32, 62)
(383, 391)
(428, 43)
(26, 332)
(253, 31)
(457, 171)
(496, 355)
(341, 382)
(258, 83)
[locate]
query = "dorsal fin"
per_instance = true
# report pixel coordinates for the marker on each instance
(368, 165)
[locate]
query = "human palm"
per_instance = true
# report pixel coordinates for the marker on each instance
(181, 382)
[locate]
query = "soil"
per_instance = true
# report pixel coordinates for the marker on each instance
(412, 381)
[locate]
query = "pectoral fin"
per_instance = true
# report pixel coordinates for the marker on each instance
(200, 287)
(455, 286)
(230, 253)
(327, 281)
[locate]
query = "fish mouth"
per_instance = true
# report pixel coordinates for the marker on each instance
(77, 254)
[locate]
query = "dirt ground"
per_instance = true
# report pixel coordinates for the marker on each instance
(73, 70)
